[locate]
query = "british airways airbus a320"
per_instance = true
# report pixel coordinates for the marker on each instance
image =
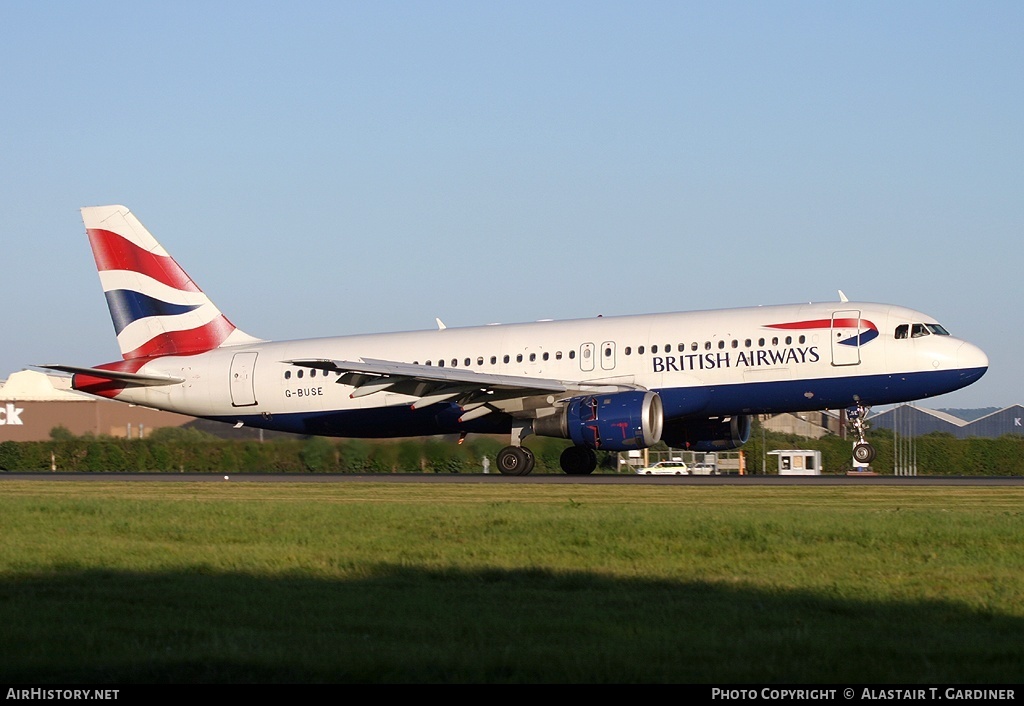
(690, 379)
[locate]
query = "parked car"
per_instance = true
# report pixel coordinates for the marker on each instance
(704, 469)
(665, 468)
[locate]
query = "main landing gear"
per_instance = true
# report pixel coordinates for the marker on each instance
(856, 421)
(515, 461)
(519, 461)
(578, 460)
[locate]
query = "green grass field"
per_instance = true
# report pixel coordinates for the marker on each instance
(128, 582)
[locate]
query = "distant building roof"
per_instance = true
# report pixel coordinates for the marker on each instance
(909, 420)
(1009, 420)
(941, 416)
(33, 404)
(946, 416)
(34, 386)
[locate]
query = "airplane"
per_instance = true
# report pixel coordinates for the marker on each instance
(693, 380)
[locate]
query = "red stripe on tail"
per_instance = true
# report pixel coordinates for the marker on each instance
(197, 340)
(114, 252)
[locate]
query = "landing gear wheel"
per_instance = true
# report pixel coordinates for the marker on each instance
(515, 461)
(864, 453)
(531, 460)
(578, 461)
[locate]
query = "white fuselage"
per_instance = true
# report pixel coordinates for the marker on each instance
(750, 360)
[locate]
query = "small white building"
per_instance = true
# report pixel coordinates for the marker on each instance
(798, 462)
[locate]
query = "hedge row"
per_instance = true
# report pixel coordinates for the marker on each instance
(198, 452)
(936, 454)
(175, 450)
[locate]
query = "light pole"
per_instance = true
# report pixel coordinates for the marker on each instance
(764, 452)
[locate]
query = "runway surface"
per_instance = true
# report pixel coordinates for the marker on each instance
(539, 479)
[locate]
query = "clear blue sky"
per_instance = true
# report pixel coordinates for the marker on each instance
(338, 167)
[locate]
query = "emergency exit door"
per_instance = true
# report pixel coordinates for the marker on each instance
(243, 390)
(846, 337)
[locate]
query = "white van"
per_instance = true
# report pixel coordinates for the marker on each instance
(665, 468)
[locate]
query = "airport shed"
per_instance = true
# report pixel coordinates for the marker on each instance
(798, 462)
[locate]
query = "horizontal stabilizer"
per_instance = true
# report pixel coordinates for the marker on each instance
(117, 375)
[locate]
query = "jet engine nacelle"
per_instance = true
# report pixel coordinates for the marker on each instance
(614, 422)
(719, 434)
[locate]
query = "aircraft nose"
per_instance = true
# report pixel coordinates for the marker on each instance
(970, 358)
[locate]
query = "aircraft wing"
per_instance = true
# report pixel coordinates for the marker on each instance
(478, 393)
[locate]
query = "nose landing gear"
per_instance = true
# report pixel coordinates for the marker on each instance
(856, 422)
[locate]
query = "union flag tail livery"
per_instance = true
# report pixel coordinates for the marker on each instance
(691, 379)
(155, 306)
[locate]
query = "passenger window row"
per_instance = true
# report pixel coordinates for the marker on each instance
(505, 359)
(312, 372)
(454, 362)
(708, 345)
(571, 355)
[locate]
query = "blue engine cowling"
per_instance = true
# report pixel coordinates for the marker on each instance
(614, 422)
(718, 434)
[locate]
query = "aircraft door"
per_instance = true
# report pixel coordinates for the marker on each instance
(243, 390)
(587, 357)
(846, 337)
(608, 355)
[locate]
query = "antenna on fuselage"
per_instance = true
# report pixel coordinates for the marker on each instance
(842, 297)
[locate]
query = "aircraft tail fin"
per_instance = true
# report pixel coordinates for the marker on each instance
(155, 306)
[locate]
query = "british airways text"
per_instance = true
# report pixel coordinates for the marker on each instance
(733, 359)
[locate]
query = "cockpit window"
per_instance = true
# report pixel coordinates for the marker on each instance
(919, 330)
